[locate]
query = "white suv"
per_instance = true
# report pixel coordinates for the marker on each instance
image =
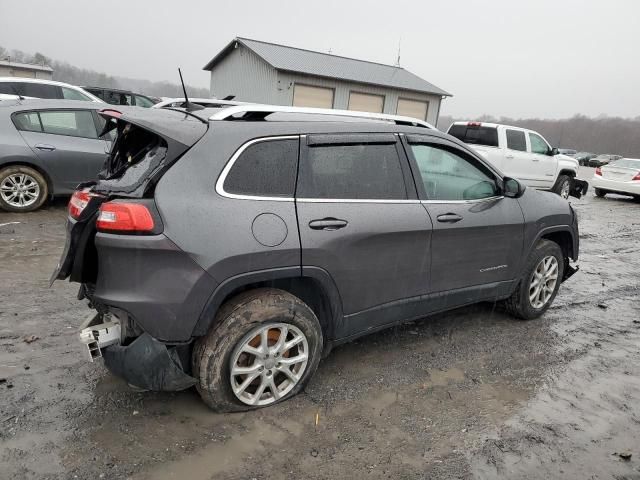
(522, 154)
(38, 88)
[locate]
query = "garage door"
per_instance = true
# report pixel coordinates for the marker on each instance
(412, 108)
(317, 97)
(365, 102)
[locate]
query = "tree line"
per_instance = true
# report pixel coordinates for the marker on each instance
(65, 72)
(613, 135)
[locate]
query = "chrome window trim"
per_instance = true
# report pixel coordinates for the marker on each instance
(227, 168)
(476, 200)
(353, 200)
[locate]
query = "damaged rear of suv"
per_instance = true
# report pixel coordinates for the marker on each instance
(229, 249)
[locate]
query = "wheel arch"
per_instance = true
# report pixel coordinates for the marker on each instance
(312, 285)
(561, 235)
(568, 172)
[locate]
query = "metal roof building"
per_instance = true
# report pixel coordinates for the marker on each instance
(24, 70)
(262, 72)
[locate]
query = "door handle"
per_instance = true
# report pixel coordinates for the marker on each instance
(508, 157)
(45, 147)
(327, 224)
(536, 159)
(449, 218)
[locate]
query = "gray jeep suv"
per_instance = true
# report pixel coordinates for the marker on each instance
(231, 248)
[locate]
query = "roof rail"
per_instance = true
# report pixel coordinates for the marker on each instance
(264, 110)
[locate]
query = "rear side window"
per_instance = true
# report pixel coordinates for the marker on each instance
(368, 171)
(9, 88)
(28, 121)
(475, 134)
(516, 140)
(73, 123)
(265, 169)
(38, 90)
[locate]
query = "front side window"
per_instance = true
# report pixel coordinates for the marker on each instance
(355, 171)
(73, 123)
(447, 175)
(71, 94)
(516, 140)
(265, 169)
(538, 145)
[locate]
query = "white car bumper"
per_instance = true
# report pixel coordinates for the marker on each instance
(630, 187)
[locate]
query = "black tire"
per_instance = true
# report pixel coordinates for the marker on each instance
(519, 304)
(559, 187)
(212, 354)
(600, 193)
(43, 188)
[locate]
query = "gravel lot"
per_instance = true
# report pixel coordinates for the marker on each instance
(468, 394)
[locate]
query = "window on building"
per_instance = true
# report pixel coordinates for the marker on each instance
(516, 140)
(308, 96)
(265, 169)
(369, 171)
(412, 108)
(365, 102)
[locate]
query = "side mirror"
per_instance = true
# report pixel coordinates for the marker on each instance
(512, 188)
(553, 152)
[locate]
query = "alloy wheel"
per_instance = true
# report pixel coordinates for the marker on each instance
(268, 363)
(19, 190)
(543, 281)
(564, 191)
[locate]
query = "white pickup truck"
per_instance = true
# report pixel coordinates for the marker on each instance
(522, 154)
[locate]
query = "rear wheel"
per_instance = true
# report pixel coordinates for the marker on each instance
(600, 193)
(539, 285)
(22, 189)
(562, 186)
(265, 346)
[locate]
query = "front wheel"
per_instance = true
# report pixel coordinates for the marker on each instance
(265, 346)
(540, 282)
(600, 193)
(562, 186)
(22, 189)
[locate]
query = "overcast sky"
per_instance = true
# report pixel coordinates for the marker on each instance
(542, 58)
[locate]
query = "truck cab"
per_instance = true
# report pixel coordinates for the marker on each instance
(523, 154)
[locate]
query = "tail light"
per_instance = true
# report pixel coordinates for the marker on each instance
(474, 124)
(599, 171)
(124, 217)
(78, 202)
(637, 177)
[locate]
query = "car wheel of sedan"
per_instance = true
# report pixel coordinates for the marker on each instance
(264, 347)
(563, 186)
(539, 285)
(600, 193)
(22, 189)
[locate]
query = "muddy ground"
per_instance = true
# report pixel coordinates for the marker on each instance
(469, 394)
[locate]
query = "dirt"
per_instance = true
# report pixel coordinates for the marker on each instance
(468, 394)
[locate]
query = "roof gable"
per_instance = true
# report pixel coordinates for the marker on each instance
(308, 62)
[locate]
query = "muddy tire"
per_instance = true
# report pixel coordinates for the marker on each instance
(600, 193)
(251, 333)
(523, 303)
(562, 186)
(22, 189)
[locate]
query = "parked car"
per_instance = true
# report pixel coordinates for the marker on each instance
(522, 154)
(115, 96)
(47, 148)
(603, 159)
(47, 89)
(570, 152)
(230, 248)
(619, 176)
(203, 102)
(584, 157)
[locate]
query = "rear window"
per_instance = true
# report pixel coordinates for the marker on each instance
(369, 171)
(475, 134)
(265, 169)
(626, 163)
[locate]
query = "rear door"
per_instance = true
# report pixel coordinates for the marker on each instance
(360, 220)
(518, 161)
(67, 142)
(542, 169)
(477, 233)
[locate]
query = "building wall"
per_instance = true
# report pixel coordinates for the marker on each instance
(243, 74)
(6, 71)
(287, 80)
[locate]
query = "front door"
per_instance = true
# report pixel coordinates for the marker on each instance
(361, 221)
(477, 234)
(67, 142)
